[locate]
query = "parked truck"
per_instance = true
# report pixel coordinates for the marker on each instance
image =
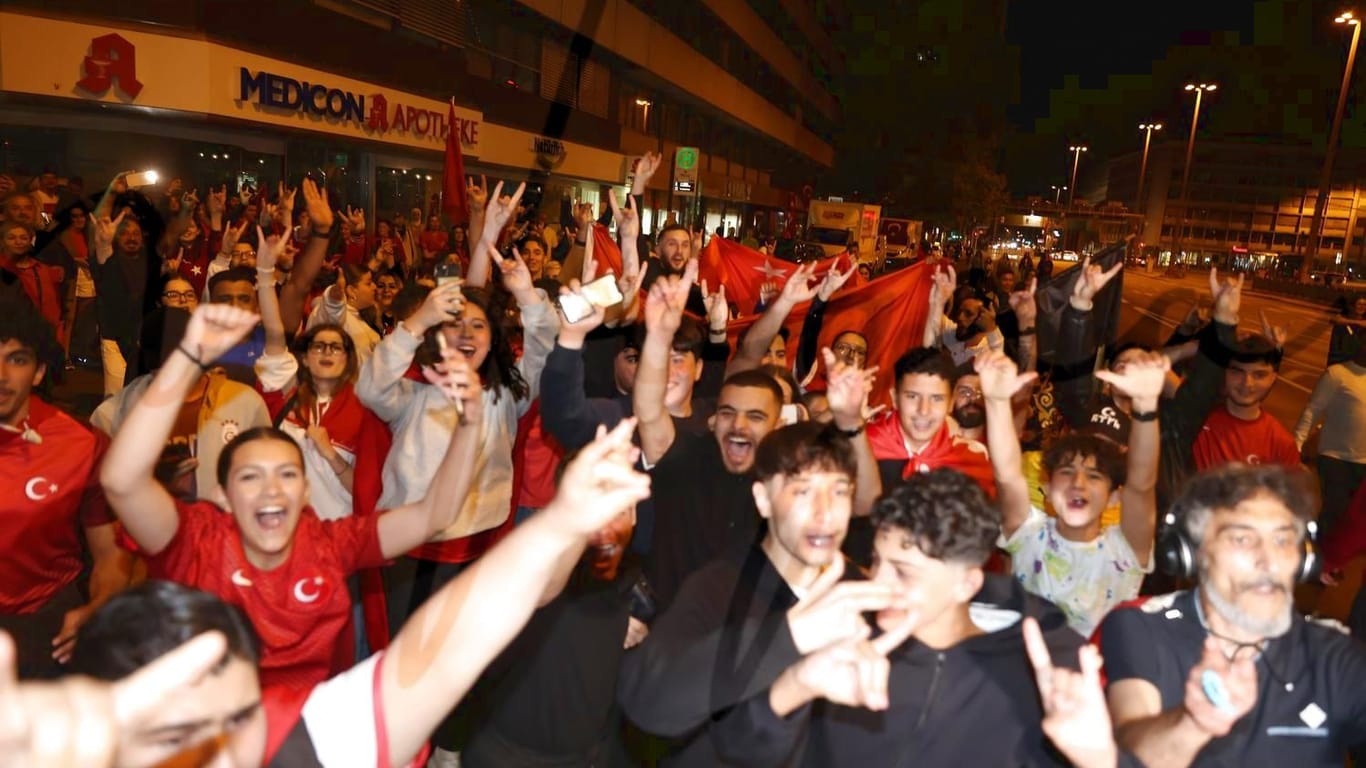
(901, 237)
(837, 226)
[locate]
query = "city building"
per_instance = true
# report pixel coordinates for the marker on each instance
(356, 92)
(1251, 204)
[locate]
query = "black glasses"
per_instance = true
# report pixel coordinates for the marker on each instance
(849, 350)
(327, 347)
(178, 295)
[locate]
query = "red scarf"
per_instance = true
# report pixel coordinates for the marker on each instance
(944, 451)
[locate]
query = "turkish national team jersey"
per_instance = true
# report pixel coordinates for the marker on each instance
(48, 492)
(300, 608)
(1226, 438)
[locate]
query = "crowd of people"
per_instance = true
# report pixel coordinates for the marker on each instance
(396, 493)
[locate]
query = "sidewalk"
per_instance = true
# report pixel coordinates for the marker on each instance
(1193, 277)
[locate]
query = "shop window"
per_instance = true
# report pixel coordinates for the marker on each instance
(398, 190)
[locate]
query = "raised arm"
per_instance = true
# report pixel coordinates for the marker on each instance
(941, 291)
(540, 323)
(1001, 380)
(663, 314)
(1142, 380)
(446, 645)
(808, 341)
(405, 527)
(310, 261)
(848, 388)
(383, 386)
(797, 290)
(566, 412)
(496, 216)
(104, 230)
(147, 511)
(628, 282)
(1026, 315)
(267, 252)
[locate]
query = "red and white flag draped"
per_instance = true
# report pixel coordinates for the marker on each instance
(890, 311)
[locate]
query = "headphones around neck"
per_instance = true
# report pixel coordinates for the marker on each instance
(1175, 552)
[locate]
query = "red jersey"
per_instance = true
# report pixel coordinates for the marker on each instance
(300, 608)
(43, 285)
(535, 456)
(1225, 438)
(48, 491)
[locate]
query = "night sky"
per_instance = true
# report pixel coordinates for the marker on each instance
(1094, 40)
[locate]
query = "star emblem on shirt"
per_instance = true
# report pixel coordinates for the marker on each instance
(195, 270)
(771, 272)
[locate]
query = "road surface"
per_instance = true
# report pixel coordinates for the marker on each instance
(1152, 305)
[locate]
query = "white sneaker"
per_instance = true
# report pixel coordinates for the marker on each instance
(443, 758)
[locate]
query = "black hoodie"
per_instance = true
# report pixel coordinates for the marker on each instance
(975, 703)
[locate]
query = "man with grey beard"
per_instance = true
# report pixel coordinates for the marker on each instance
(1228, 674)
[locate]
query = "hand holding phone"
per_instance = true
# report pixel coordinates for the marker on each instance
(144, 179)
(602, 292)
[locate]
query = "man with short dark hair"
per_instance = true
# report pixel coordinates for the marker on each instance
(961, 692)
(50, 500)
(1238, 429)
(1228, 673)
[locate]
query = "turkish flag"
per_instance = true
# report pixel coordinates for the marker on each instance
(890, 311)
(453, 201)
(605, 252)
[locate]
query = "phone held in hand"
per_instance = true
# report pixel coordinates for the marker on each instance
(144, 179)
(447, 272)
(602, 292)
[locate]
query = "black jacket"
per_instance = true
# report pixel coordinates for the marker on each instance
(975, 703)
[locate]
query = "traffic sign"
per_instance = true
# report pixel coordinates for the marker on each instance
(685, 171)
(685, 159)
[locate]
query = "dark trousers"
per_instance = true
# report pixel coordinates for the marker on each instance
(1338, 482)
(33, 633)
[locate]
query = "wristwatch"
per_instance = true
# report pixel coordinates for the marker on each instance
(852, 433)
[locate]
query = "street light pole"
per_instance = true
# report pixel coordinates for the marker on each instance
(1076, 161)
(1057, 193)
(1147, 129)
(1200, 90)
(1326, 177)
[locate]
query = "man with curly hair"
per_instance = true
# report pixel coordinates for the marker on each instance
(871, 703)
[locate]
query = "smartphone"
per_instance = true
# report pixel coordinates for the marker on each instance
(574, 307)
(144, 179)
(603, 292)
(446, 272)
(789, 415)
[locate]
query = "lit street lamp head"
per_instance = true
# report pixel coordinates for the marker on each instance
(1150, 126)
(1201, 86)
(1347, 18)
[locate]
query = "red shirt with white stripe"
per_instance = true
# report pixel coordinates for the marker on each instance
(301, 608)
(49, 491)
(1225, 439)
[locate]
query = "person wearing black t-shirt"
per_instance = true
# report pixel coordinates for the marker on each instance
(1293, 691)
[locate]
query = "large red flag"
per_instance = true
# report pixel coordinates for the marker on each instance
(605, 252)
(890, 311)
(453, 200)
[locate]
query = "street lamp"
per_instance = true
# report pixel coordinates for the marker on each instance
(1200, 90)
(1326, 177)
(1147, 129)
(1076, 151)
(645, 105)
(1057, 193)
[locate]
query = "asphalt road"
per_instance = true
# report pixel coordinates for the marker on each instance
(1153, 305)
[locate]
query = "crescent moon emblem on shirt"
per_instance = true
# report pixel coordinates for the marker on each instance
(301, 595)
(31, 488)
(239, 579)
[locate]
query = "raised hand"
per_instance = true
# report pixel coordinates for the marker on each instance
(599, 484)
(499, 211)
(268, 249)
(214, 329)
(356, 218)
(646, 167)
(188, 203)
(583, 214)
(832, 610)
(285, 199)
(589, 270)
(768, 291)
(231, 236)
(853, 672)
(1195, 319)
(1228, 297)
(1001, 378)
(477, 195)
(458, 381)
(1023, 305)
(718, 311)
(1142, 380)
(945, 283)
(847, 389)
(667, 299)
(833, 281)
(627, 218)
(1239, 679)
(1276, 334)
(105, 229)
(798, 288)
(442, 303)
(575, 332)
(1089, 282)
(319, 212)
(172, 265)
(1075, 715)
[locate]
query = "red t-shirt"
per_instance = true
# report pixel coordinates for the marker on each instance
(49, 491)
(535, 456)
(300, 608)
(43, 285)
(1226, 438)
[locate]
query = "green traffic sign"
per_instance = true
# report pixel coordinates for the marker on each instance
(686, 158)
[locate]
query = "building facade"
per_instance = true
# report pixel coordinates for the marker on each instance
(562, 95)
(1251, 203)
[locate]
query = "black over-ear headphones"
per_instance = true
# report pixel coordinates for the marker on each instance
(1176, 553)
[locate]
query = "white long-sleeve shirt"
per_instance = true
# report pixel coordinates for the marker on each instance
(422, 421)
(1340, 391)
